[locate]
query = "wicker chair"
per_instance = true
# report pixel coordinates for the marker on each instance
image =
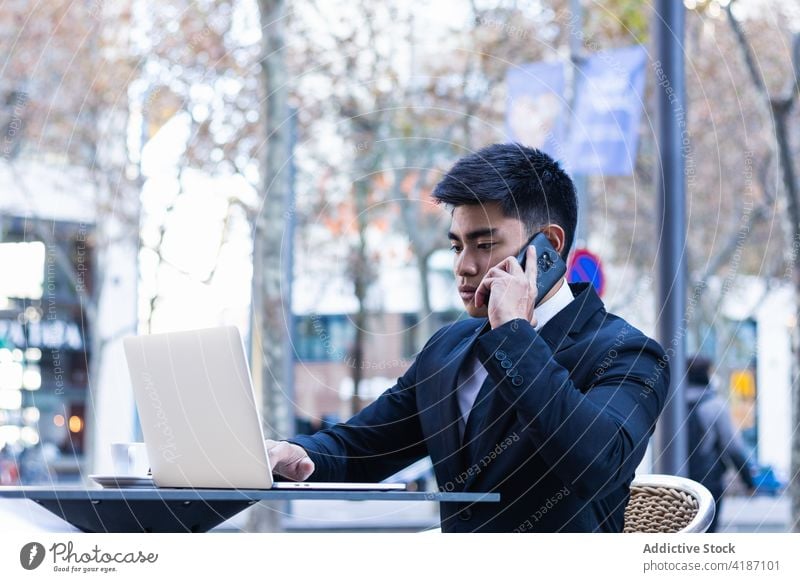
(668, 504)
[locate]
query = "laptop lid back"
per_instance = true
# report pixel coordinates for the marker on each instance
(197, 409)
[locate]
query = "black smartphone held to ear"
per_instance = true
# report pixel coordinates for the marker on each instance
(550, 267)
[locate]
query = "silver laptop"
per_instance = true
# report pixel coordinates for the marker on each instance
(198, 413)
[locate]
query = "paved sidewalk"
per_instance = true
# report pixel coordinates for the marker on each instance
(755, 514)
(759, 514)
(23, 516)
(351, 516)
(739, 515)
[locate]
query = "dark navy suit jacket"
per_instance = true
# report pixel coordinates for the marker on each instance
(560, 429)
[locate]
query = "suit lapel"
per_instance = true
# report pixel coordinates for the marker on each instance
(559, 331)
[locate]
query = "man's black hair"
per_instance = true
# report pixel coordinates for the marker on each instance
(528, 183)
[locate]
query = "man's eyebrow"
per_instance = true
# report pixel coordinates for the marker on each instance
(475, 234)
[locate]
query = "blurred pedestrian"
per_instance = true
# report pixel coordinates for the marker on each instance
(9, 472)
(714, 444)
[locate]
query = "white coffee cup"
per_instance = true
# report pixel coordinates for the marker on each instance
(130, 459)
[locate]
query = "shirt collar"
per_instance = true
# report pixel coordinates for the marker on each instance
(547, 310)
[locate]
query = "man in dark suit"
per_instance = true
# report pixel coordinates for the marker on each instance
(552, 408)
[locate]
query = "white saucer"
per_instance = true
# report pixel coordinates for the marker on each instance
(117, 481)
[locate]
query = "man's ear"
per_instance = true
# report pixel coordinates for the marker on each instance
(556, 235)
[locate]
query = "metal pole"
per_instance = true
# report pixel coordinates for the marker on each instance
(671, 445)
(576, 57)
(287, 266)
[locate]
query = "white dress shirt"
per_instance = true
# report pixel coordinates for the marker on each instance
(473, 374)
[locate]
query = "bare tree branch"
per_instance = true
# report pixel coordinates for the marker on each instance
(747, 53)
(794, 85)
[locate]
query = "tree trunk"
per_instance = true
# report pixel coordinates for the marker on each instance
(271, 302)
(361, 276)
(424, 327)
(357, 354)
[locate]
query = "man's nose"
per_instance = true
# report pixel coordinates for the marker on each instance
(466, 266)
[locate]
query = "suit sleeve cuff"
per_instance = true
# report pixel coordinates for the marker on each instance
(502, 349)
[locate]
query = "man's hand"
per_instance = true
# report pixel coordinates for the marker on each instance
(511, 291)
(289, 460)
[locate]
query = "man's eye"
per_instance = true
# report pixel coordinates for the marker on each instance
(485, 246)
(455, 249)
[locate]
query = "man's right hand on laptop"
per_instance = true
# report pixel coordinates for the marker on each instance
(288, 460)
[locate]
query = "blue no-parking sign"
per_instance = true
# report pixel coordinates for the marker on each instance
(585, 266)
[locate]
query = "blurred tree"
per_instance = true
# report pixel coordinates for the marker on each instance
(731, 204)
(273, 234)
(220, 65)
(406, 108)
(742, 82)
(199, 74)
(778, 104)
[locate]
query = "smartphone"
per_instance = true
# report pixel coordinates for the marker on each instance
(550, 267)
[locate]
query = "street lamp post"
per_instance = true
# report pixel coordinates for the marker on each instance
(671, 444)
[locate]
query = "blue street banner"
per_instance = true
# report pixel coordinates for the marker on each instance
(604, 128)
(534, 106)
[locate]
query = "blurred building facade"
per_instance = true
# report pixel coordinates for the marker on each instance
(64, 394)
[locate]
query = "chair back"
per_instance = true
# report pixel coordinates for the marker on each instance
(668, 504)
